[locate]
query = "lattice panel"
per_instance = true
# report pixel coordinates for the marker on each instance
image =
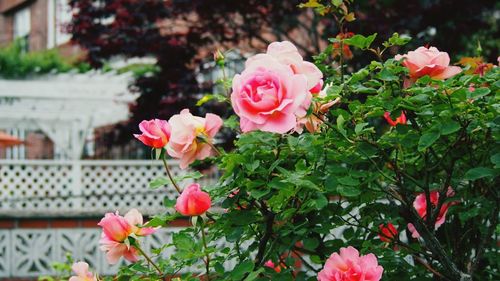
(118, 187)
(4, 253)
(30, 252)
(63, 188)
(32, 188)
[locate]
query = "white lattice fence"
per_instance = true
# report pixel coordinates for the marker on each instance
(31, 252)
(74, 188)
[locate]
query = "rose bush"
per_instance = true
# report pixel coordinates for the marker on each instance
(359, 195)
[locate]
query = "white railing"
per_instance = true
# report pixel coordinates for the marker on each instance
(52, 188)
(31, 252)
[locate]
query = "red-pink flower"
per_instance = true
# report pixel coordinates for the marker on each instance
(388, 232)
(428, 61)
(191, 136)
(400, 120)
(193, 201)
(116, 230)
(155, 133)
(350, 266)
(420, 205)
(271, 265)
(81, 269)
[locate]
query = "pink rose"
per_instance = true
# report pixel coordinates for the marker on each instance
(420, 205)
(286, 53)
(429, 61)
(82, 272)
(400, 120)
(190, 135)
(349, 266)
(193, 201)
(387, 232)
(155, 133)
(117, 229)
(268, 96)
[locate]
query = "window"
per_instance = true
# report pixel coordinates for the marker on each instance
(22, 27)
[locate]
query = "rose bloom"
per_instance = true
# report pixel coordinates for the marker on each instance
(428, 61)
(193, 201)
(388, 232)
(187, 130)
(82, 272)
(420, 204)
(274, 89)
(271, 265)
(155, 133)
(400, 120)
(116, 229)
(350, 266)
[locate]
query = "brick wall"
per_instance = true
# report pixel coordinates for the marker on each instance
(38, 35)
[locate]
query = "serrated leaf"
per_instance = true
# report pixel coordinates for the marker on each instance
(360, 41)
(241, 269)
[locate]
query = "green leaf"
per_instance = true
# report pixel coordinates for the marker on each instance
(427, 139)
(191, 175)
(449, 127)
(348, 181)
(340, 125)
(495, 159)
(158, 182)
(397, 40)
(348, 191)
(241, 269)
(479, 173)
(478, 93)
(254, 275)
(361, 41)
(337, 3)
(386, 75)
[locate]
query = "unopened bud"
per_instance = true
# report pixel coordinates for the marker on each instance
(219, 57)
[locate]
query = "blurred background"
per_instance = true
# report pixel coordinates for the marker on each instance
(77, 76)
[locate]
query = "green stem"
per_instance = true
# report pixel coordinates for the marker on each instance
(204, 240)
(150, 261)
(170, 175)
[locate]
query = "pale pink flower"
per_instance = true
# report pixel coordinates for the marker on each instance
(193, 201)
(286, 53)
(81, 269)
(116, 230)
(190, 135)
(420, 205)
(428, 61)
(350, 266)
(155, 133)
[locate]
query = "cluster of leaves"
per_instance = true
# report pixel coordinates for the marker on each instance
(16, 63)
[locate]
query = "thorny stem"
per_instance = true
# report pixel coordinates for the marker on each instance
(150, 261)
(170, 175)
